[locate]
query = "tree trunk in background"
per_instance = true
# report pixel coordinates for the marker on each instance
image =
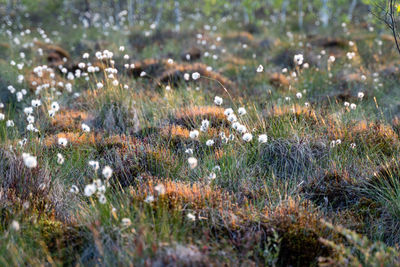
(284, 10)
(300, 14)
(113, 10)
(10, 6)
(178, 15)
(140, 8)
(87, 13)
(246, 16)
(107, 9)
(130, 12)
(87, 6)
(65, 6)
(325, 13)
(159, 12)
(351, 9)
(117, 10)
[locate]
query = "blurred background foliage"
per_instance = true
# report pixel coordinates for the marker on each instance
(133, 11)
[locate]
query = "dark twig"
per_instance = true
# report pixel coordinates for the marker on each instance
(393, 27)
(389, 18)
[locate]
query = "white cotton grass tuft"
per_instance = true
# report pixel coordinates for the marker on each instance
(107, 172)
(28, 110)
(195, 75)
(94, 164)
(212, 176)
(218, 101)
(30, 119)
(60, 159)
(228, 111)
(242, 111)
(194, 134)
(298, 59)
(236, 125)
(189, 151)
(247, 137)
(15, 225)
(210, 142)
(232, 118)
(126, 222)
(191, 217)
(102, 199)
(31, 128)
(192, 161)
(10, 123)
(62, 141)
(74, 189)
(36, 103)
(160, 189)
(29, 160)
(262, 138)
(204, 125)
(85, 128)
(333, 144)
(149, 199)
(90, 189)
(55, 106)
(241, 128)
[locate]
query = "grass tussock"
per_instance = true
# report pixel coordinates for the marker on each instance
(201, 133)
(333, 189)
(300, 230)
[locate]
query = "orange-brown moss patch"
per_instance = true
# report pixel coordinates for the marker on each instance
(278, 80)
(191, 117)
(98, 140)
(375, 135)
(175, 131)
(179, 194)
(69, 120)
(240, 37)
